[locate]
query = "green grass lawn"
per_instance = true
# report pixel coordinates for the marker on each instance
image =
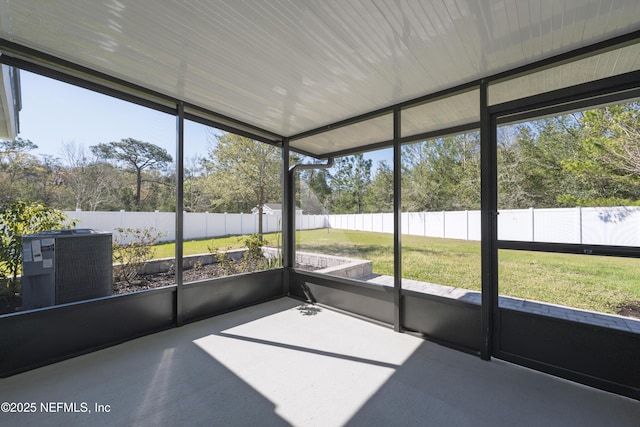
(203, 246)
(588, 282)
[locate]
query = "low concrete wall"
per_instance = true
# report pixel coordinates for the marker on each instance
(328, 264)
(356, 269)
(165, 264)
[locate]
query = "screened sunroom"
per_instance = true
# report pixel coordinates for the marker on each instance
(448, 194)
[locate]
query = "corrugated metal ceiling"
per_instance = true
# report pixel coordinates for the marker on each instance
(289, 66)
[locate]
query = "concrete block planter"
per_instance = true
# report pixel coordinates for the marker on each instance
(328, 264)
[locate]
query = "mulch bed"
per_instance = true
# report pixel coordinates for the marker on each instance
(151, 281)
(194, 274)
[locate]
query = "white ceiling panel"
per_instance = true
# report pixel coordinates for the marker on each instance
(597, 67)
(456, 110)
(354, 136)
(289, 66)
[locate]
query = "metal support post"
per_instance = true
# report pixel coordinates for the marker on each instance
(288, 219)
(179, 210)
(397, 226)
(489, 223)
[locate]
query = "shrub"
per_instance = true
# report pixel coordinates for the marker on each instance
(224, 261)
(252, 259)
(254, 244)
(132, 248)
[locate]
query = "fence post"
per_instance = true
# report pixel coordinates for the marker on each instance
(533, 224)
(122, 218)
(579, 224)
(225, 224)
(444, 230)
(466, 215)
(184, 215)
(424, 223)
(78, 215)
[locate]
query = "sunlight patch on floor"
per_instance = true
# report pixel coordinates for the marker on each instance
(307, 362)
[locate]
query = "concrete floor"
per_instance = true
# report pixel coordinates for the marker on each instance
(285, 363)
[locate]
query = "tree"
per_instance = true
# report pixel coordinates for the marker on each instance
(608, 157)
(442, 174)
(243, 173)
(138, 156)
(195, 191)
(577, 159)
(512, 188)
(613, 135)
(350, 183)
(88, 184)
(380, 197)
(20, 171)
(546, 145)
(314, 191)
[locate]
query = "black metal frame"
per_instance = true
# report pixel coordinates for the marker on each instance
(562, 347)
(46, 65)
(566, 57)
(288, 213)
(496, 334)
(179, 245)
(50, 66)
(571, 248)
(397, 221)
(488, 223)
(41, 337)
(150, 311)
(225, 123)
(553, 61)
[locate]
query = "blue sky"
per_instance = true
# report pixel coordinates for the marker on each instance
(54, 113)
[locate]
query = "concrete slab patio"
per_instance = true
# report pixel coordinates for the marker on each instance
(287, 363)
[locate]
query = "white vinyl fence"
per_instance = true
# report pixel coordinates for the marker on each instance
(199, 225)
(596, 226)
(605, 226)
